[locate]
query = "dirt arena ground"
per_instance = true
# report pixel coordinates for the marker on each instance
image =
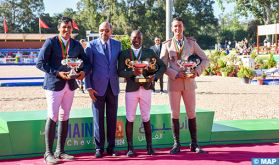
(227, 96)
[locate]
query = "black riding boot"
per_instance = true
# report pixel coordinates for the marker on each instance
(148, 137)
(49, 139)
(176, 145)
(129, 136)
(61, 139)
(194, 147)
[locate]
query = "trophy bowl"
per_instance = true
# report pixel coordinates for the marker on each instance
(189, 65)
(74, 64)
(139, 66)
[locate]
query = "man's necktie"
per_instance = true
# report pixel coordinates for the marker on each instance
(180, 42)
(106, 50)
(158, 50)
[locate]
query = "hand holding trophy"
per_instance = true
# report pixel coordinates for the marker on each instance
(189, 65)
(139, 66)
(74, 64)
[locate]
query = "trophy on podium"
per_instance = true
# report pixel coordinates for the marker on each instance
(140, 66)
(74, 64)
(189, 65)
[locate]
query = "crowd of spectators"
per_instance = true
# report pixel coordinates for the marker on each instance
(241, 47)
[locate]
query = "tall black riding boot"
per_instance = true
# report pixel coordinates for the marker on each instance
(61, 139)
(129, 136)
(176, 145)
(49, 139)
(194, 147)
(148, 137)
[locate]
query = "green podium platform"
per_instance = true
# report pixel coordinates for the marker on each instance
(22, 133)
(245, 131)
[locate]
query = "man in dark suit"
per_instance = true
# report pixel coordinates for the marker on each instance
(157, 49)
(59, 86)
(138, 87)
(103, 87)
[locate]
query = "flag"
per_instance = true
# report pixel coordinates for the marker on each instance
(5, 26)
(75, 26)
(42, 24)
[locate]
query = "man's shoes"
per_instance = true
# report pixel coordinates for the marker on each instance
(131, 153)
(111, 152)
(197, 149)
(175, 149)
(150, 150)
(163, 92)
(98, 154)
(64, 156)
(50, 159)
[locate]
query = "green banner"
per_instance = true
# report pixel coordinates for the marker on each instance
(25, 131)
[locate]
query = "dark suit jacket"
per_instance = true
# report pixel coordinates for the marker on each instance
(49, 61)
(156, 50)
(127, 73)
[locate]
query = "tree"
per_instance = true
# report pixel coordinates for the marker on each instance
(21, 14)
(88, 15)
(264, 10)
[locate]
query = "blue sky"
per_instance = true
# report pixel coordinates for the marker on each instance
(58, 6)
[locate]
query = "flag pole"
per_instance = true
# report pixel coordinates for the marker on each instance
(39, 27)
(4, 25)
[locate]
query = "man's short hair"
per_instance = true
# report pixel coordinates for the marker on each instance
(64, 20)
(106, 22)
(178, 19)
(137, 32)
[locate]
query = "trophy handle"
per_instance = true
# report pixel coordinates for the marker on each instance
(80, 62)
(152, 63)
(180, 64)
(129, 63)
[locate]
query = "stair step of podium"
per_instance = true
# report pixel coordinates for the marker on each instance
(245, 131)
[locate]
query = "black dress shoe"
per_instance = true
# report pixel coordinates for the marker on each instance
(175, 149)
(98, 154)
(131, 153)
(197, 149)
(111, 152)
(150, 150)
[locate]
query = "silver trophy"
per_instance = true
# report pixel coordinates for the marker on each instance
(140, 66)
(189, 65)
(74, 64)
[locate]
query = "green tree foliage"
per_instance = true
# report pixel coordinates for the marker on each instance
(199, 20)
(127, 15)
(125, 41)
(21, 15)
(264, 10)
